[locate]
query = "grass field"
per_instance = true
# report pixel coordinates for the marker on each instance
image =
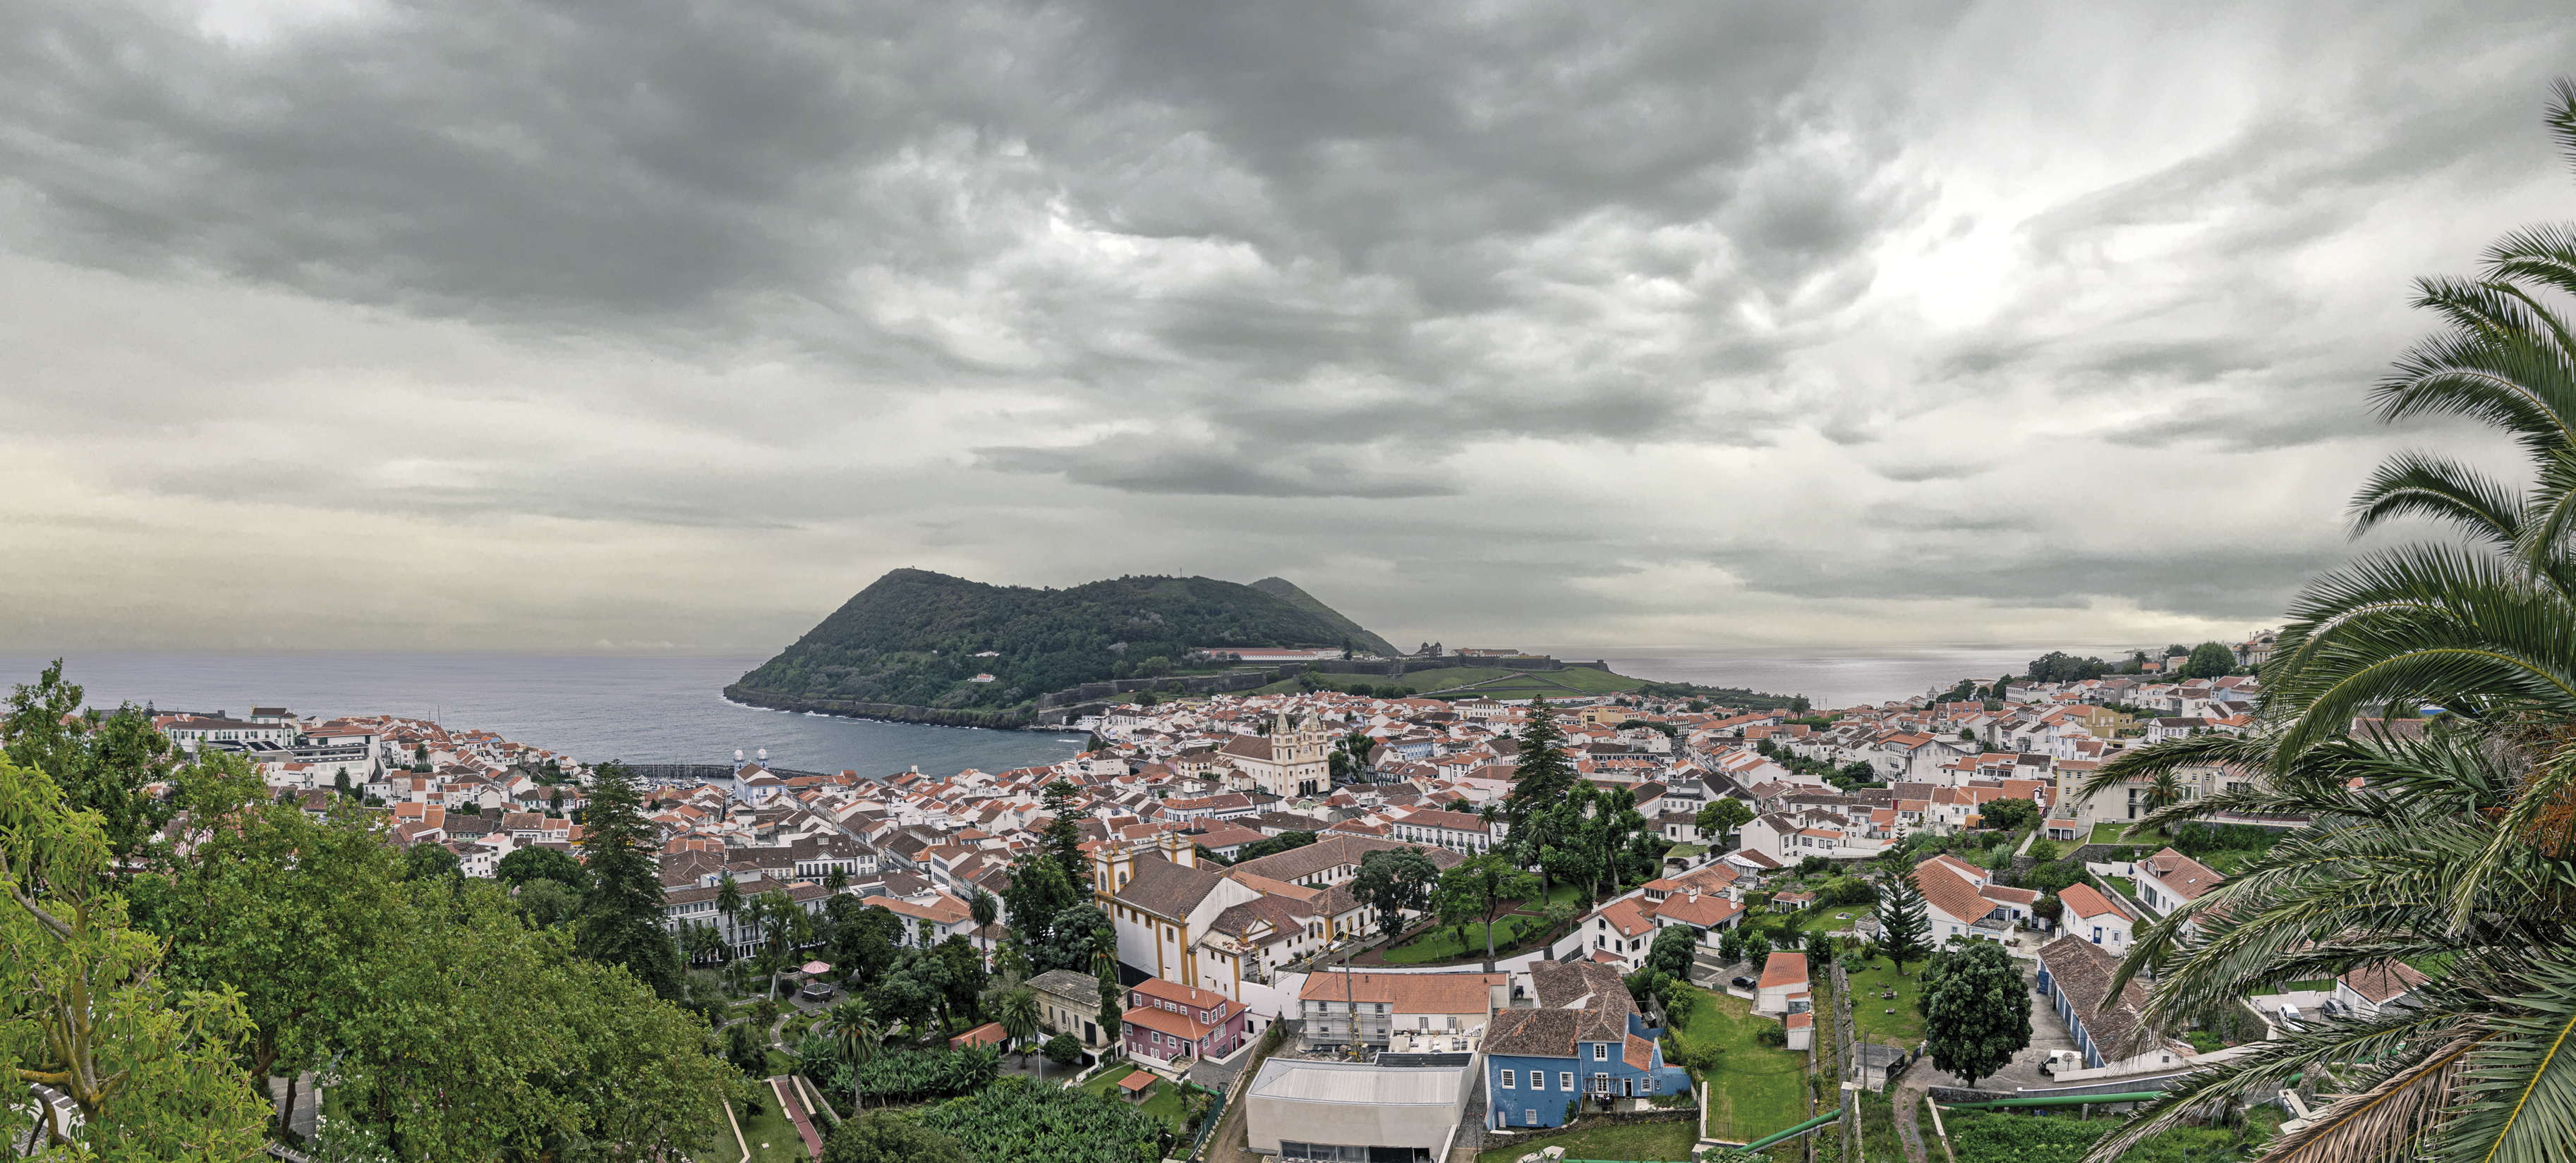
(773, 1139)
(1756, 1089)
(1869, 1011)
(1165, 1104)
(2112, 834)
(1670, 1142)
(1442, 943)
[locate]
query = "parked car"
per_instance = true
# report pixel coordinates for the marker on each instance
(1744, 983)
(2290, 1017)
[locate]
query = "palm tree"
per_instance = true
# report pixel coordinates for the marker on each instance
(729, 903)
(2453, 850)
(857, 1037)
(984, 909)
(703, 942)
(2163, 791)
(1019, 1018)
(834, 880)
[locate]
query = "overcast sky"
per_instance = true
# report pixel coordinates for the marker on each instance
(348, 323)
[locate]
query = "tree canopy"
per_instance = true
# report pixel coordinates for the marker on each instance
(1976, 1009)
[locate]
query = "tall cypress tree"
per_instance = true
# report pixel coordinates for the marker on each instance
(622, 913)
(1543, 775)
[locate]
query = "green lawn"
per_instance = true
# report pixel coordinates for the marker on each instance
(1670, 1142)
(1756, 1089)
(2111, 834)
(1442, 943)
(773, 1139)
(1165, 1103)
(1869, 1011)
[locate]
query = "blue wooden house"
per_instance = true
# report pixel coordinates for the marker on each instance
(1584, 1042)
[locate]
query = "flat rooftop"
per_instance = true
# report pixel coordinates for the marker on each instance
(1358, 1083)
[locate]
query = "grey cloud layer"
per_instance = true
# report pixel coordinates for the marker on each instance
(1841, 304)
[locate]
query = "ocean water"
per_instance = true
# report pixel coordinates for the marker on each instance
(660, 708)
(1829, 679)
(668, 708)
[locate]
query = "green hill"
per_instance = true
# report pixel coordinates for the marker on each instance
(1287, 591)
(919, 639)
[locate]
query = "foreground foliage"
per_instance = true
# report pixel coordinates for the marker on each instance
(148, 1063)
(2455, 849)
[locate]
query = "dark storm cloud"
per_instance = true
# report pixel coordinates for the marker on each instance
(1886, 304)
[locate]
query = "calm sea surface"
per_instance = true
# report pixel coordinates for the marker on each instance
(668, 709)
(639, 708)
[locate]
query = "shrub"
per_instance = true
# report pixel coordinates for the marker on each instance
(1771, 1035)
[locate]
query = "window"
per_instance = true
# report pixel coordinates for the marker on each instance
(1507, 1080)
(1600, 1084)
(1601, 1051)
(1453, 1021)
(1529, 1118)
(1565, 1080)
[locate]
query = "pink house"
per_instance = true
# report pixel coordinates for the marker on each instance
(1168, 1021)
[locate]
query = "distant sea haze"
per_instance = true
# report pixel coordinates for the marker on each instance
(667, 708)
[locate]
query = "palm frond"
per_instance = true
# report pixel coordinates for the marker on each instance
(2404, 1040)
(2520, 1088)
(2420, 484)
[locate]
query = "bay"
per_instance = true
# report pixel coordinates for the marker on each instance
(1829, 679)
(668, 708)
(642, 708)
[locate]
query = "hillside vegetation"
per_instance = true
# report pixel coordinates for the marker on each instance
(916, 637)
(1287, 591)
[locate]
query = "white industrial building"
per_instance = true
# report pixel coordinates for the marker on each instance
(1356, 1112)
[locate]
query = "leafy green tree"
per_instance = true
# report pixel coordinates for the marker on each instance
(744, 1050)
(1976, 1010)
(2008, 813)
(429, 860)
(911, 993)
(1670, 955)
(101, 762)
(1038, 891)
(523, 865)
(622, 921)
(2209, 660)
(864, 942)
(963, 987)
(150, 1068)
(547, 903)
(1904, 926)
(1394, 882)
(1072, 939)
(1488, 879)
(1719, 820)
(890, 1137)
(291, 912)
(1062, 1049)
